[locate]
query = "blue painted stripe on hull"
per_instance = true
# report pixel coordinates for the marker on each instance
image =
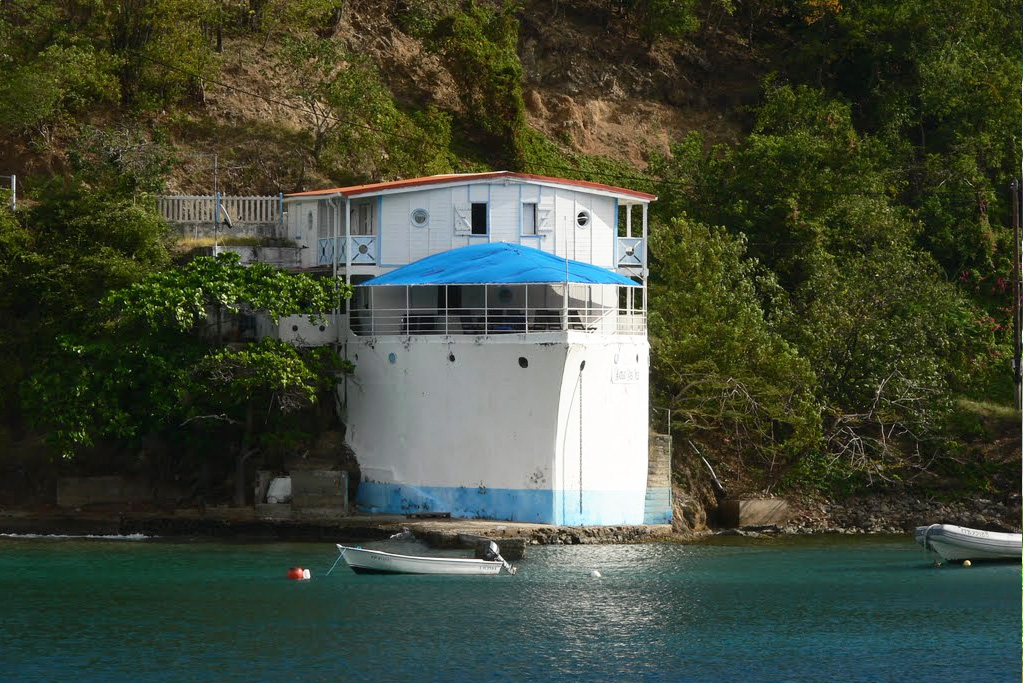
(600, 508)
(525, 505)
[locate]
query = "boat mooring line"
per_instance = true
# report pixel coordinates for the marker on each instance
(339, 556)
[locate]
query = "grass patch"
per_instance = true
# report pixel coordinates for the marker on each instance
(989, 410)
(188, 243)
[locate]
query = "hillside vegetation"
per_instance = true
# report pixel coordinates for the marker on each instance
(831, 297)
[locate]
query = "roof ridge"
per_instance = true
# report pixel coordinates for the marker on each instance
(412, 183)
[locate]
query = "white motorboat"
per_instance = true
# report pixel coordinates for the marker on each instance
(956, 543)
(364, 561)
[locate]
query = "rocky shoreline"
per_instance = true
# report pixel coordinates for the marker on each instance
(894, 515)
(873, 515)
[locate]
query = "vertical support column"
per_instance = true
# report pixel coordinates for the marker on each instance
(348, 240)
(334, 256)
(564, 307)
(14, 193)
(216, 222)
(630, 296)
(332, 203)
(646, 252)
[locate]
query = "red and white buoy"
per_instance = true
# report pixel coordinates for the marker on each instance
(299, 574)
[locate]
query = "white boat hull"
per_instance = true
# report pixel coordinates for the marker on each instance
(363, 561)
(956, 543)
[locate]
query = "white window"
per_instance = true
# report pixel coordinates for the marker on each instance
(582, 219)
(420, 218)
(325, 225)
(362, 218)
(529, 218)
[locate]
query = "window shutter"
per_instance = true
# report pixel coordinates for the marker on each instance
(545, 217)
(325, 224)
(463, 219)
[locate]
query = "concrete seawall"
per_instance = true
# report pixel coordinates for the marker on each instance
(240, 524)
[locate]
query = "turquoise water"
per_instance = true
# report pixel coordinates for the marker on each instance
(773, 610)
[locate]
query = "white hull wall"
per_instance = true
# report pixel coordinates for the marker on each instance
(602, 442)
(481, 436)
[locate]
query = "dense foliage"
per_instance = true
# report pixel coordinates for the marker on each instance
(158, 359)
(831, 289)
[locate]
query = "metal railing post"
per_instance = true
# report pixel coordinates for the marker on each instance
(525, 311)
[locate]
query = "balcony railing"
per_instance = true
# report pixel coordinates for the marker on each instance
(631, 252)
(493, 321)
(363, 248)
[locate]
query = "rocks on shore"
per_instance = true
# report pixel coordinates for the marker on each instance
(895, 515)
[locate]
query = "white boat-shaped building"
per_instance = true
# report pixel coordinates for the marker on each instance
(956, 543)
(498, 334)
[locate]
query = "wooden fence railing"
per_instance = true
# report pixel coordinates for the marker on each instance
(205, 209)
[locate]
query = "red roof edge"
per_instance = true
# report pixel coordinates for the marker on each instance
(463, 177)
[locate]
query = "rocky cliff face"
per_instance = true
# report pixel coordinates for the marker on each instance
(590, 85)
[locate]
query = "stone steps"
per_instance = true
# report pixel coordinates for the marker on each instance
(657, 504)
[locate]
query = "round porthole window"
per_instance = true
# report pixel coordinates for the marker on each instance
(420, 218)
(582, 219)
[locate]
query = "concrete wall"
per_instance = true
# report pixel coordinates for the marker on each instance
(754, 512)
(272, 230)
(319, 494)
(298, 330)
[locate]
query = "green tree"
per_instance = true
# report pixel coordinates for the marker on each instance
(803, 181)
(940, 83)
(359, 132)
(158, 361)
(889, 340)
(718, 364)
(43, 90)
(891, 344)
(479, 46)
(663, 18)
(63, 58)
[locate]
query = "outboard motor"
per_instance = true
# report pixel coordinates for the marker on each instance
(492, 553)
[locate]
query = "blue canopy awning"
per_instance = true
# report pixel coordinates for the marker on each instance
(498, 263)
